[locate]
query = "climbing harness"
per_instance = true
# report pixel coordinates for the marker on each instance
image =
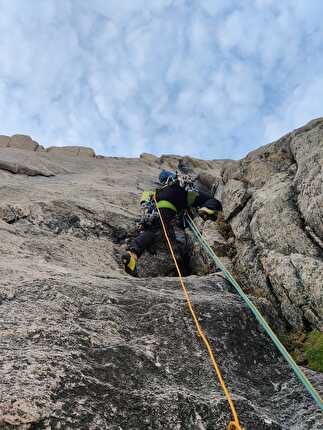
(149, 213)
(298, 372)
(146, 197)
(235, 424)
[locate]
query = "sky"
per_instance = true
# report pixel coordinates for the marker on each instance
(206, 78)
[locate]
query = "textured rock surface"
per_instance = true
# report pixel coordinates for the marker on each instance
(273, 200)
(69, 151)
(26, 143)
(19, 141)
(27, 163)
(84, 346)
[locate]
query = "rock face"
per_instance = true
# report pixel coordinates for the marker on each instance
(78, 151)
(26, 143)
(85, 346)
(20, 141)
(273, 200)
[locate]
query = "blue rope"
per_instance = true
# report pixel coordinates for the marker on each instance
(298, 372)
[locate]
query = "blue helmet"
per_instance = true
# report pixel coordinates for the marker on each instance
(164, 175)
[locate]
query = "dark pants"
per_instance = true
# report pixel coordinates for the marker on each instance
(155, 233)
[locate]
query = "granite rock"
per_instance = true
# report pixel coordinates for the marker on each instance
(85, 346)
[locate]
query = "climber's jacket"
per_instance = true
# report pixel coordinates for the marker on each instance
(175, 197)
(172, 197)
(174, 200)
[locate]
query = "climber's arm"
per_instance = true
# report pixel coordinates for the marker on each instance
(209, 207)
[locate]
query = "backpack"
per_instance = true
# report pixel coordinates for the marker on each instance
(185, 181)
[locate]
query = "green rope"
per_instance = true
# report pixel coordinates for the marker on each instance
(298, 372)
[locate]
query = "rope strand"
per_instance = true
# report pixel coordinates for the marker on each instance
(298, 372)
(233, 424)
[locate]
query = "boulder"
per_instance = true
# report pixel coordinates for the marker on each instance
(21, 141)
(148, 157)
(71, 151)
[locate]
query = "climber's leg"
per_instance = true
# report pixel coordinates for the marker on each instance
(147, 238)
(169, 216)
(144, 240)
(154, 233)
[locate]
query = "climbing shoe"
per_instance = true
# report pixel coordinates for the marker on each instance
(129, 259)
(206, 213)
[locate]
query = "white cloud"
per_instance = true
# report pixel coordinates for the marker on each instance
(301, 106)
(214, 7)
(209, 78)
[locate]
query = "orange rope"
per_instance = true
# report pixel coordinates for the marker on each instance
(233, 424)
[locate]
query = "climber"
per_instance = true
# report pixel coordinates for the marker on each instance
(178, 194)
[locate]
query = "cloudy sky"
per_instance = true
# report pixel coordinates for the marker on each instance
(208, 78)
